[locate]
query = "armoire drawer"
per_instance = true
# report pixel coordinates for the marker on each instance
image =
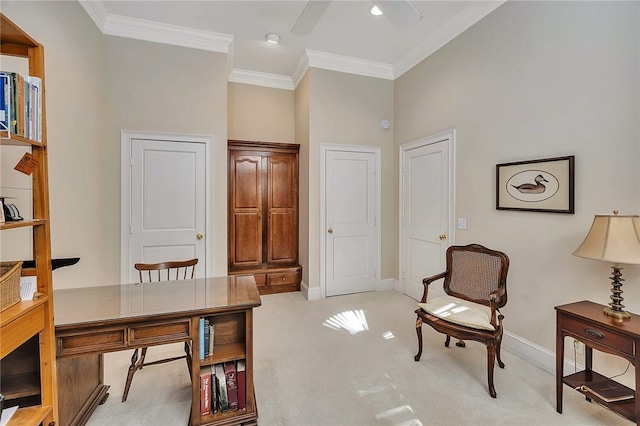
(283, 278)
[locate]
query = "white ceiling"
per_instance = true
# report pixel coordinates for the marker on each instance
(346, 38)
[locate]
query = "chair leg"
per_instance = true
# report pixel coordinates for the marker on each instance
(447, 341)
(419, 332)
(498, 346)
(187, 351)
(460, 343)
(136, 364)
(491, 360)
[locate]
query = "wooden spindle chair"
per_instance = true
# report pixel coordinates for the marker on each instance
(155, 272)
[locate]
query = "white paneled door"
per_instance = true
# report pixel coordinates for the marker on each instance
(167, 203)
(425, 226)
(350, 237)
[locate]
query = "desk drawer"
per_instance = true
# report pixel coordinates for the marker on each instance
(596, 337)
(157, 333)
(87, 341)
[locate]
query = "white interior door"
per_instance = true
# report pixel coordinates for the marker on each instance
(350, 237)
(168, 203)
(425, 202)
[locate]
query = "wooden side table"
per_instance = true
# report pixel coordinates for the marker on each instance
(585, 321)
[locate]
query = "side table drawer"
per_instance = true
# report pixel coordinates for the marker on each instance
(598, 337)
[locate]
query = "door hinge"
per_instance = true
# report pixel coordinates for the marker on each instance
(130, 230)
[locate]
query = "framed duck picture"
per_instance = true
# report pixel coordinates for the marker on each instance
(544, 185)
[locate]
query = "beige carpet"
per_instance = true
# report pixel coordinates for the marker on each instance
(348, 360)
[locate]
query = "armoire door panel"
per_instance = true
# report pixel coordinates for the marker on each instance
(282, 183)
(247, 244)
(283, 243)
(247, 182)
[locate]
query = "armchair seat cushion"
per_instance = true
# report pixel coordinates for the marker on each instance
(460, 312)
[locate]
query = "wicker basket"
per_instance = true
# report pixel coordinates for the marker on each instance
(9, 283)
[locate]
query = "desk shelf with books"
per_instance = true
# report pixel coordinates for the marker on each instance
(225, 376)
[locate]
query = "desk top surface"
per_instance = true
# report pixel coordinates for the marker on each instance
(114, 303)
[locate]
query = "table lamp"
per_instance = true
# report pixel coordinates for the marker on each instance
(616, 239)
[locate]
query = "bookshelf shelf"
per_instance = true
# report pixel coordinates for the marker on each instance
(27, 351)
(224, 353)
(22, 224)
(17, 140)
(30, 415)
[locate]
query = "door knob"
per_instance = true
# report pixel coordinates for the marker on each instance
(442, 237)
(330, 230)
(199, 236)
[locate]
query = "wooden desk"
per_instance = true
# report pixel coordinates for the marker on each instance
(586, 322)
(92, 321)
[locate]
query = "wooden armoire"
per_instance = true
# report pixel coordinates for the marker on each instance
(263, 214)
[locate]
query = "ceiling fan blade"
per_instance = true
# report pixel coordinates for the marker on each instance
(401, 13)
(309, 17)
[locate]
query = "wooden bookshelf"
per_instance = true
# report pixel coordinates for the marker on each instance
(28, 367)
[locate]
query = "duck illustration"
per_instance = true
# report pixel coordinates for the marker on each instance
(530, 188)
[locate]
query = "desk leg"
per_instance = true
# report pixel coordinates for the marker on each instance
(588, 366)
(559, 365)
(637, 368)
(81, 388)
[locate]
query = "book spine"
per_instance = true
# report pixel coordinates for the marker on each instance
(212, 335)
(242, 385)
(205, 392)
(222, 388)
(205, 332)
(4, 102)
(201, 338)
(20, 114)
(214, 389)
(232, 384)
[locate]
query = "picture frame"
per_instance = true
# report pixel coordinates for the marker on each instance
(544, 185)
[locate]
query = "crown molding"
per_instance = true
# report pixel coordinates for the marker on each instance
(329, 61)
(96, 11)
(257, 78)
(142, 29)
(456, 26)
(301, 69)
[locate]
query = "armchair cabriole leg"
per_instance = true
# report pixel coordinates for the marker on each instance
(419, 332)
(491, 361)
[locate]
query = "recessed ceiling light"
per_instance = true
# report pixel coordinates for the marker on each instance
(272, 38)
(375, 10)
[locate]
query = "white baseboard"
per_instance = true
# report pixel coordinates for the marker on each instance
(309, 293)
(387, 284)
(537, 355)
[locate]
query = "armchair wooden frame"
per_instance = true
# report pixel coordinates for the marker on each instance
(474, 274)
(156, 272)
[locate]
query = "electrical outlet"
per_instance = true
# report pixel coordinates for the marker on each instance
(578, 346)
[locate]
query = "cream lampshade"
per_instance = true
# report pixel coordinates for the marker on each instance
(615, 239)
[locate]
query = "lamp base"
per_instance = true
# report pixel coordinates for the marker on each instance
(615, 307)
(617, 315)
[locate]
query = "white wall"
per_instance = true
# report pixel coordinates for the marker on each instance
(258, 113)
(75, 119)
(536, 80)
